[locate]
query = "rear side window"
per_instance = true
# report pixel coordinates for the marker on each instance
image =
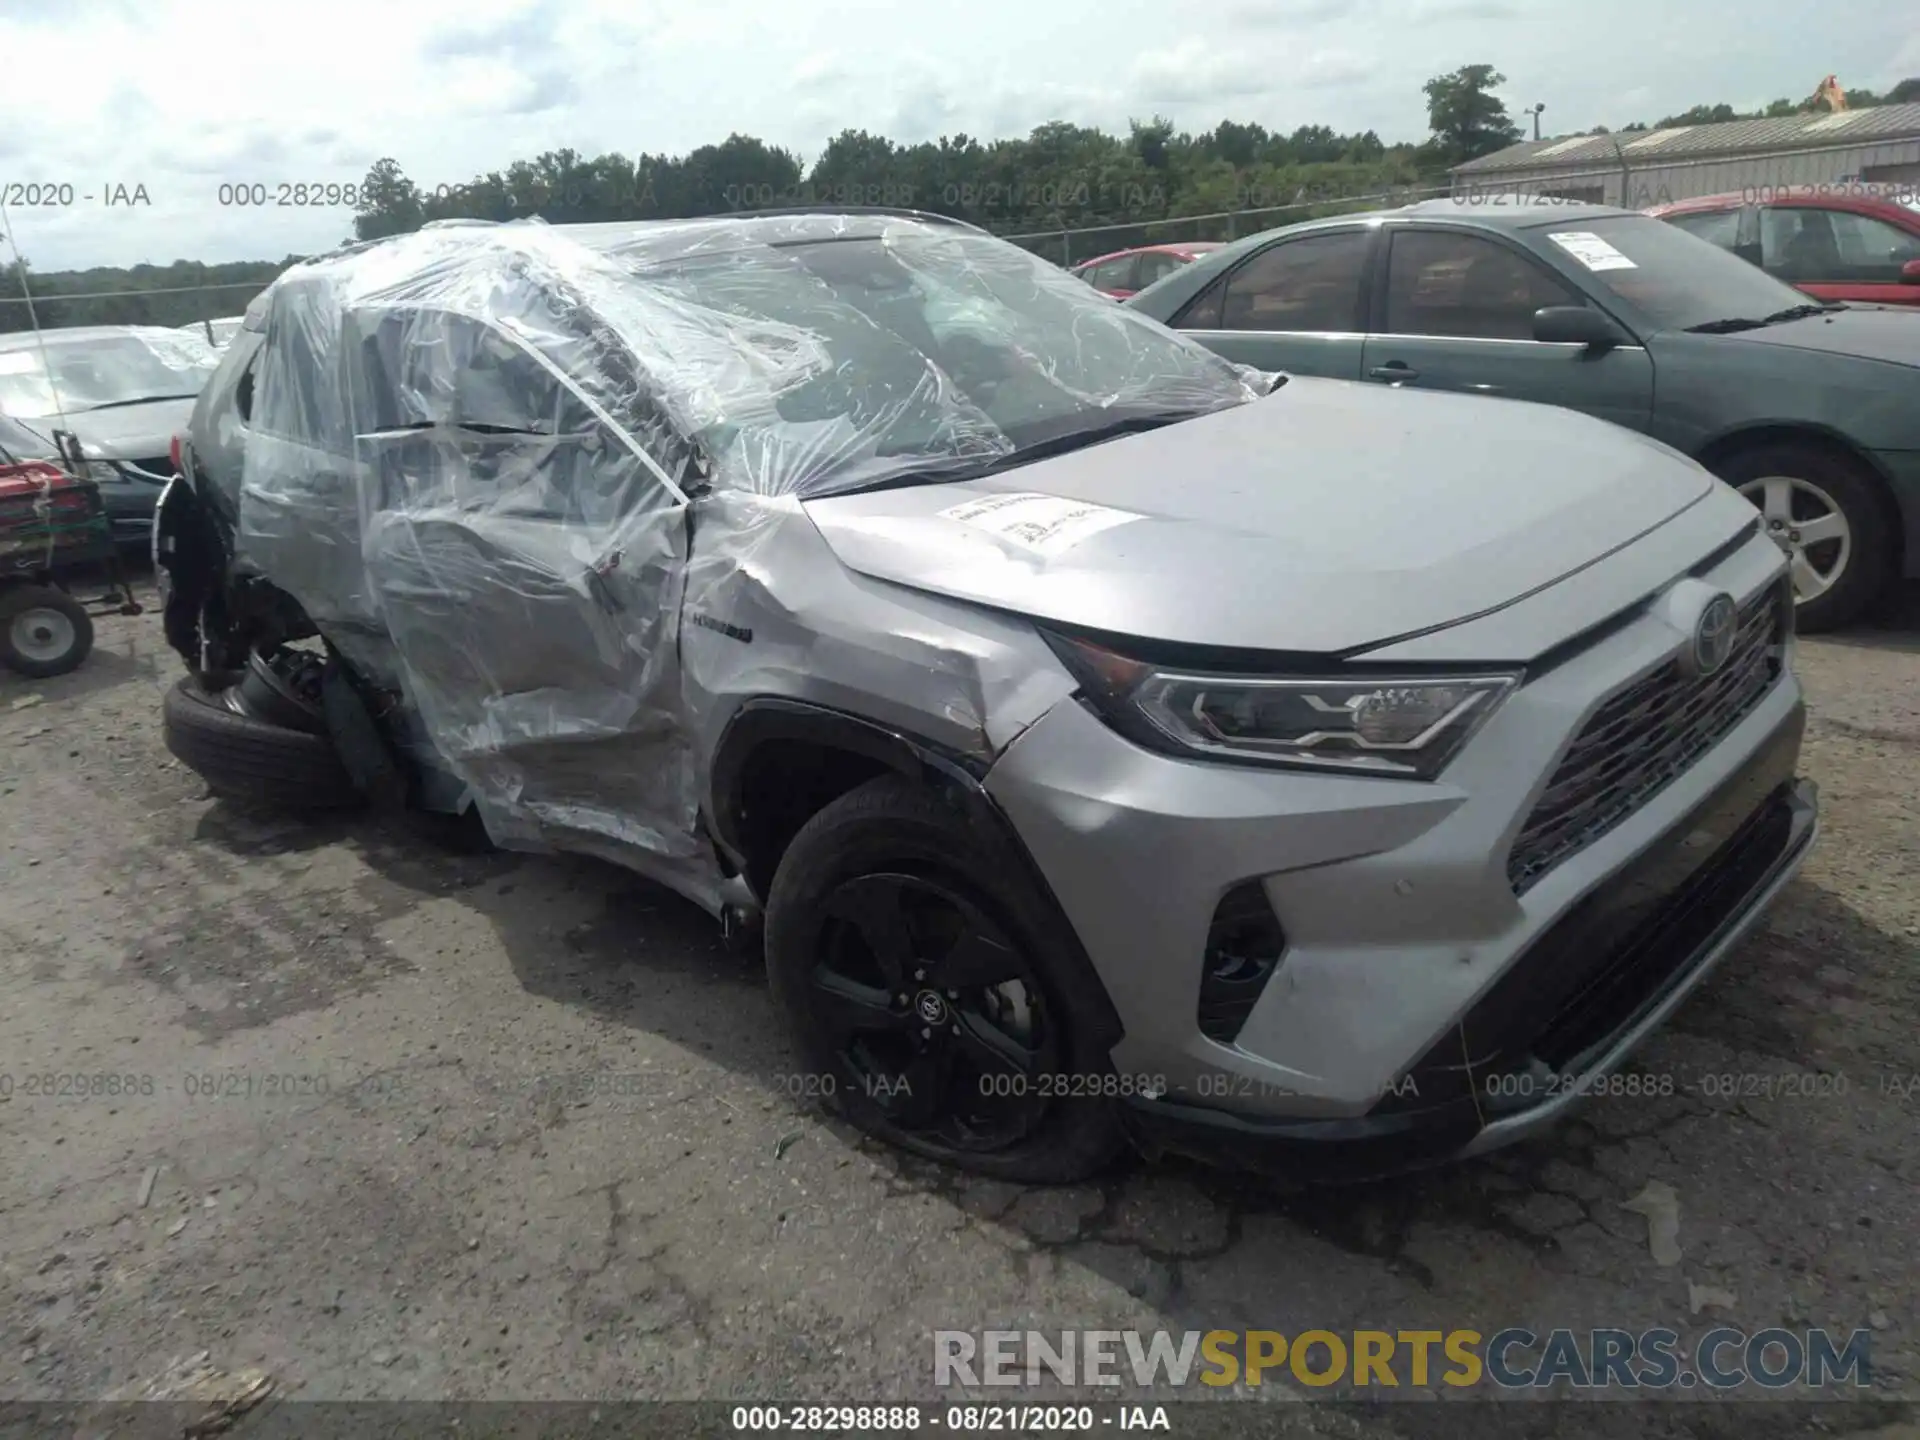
(243, 390)
(1718, 227)
(1873, 248)
(429, 386)
(1156, 267)
(1800, 244)
(1307, 284)
(1203, 311)
(1453, 284)
(426, 367)
(298, 378)
(1112, 275)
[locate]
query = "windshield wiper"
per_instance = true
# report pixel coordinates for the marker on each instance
(1737, 323)
(136, 400)
(957, 468)
(1131, 424)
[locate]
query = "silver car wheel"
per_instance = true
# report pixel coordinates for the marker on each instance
(42, 635)
(1806, 523)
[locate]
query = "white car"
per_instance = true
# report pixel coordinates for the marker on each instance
(216, 333)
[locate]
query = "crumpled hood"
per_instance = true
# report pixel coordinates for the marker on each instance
(1325, 518)
(126, 432)
(1889, 333)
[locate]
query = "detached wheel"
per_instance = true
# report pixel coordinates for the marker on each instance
(1830, 516)
(243, 757)
(43, 631)
(919, 974)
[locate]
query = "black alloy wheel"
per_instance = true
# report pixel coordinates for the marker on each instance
(935, 992)
(940, 1019)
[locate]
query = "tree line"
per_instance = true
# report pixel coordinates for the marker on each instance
(182, 293)
(1061, 177)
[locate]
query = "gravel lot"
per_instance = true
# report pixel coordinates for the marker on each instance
(407, 1123)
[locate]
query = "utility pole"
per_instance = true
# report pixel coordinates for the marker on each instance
(1534, 111)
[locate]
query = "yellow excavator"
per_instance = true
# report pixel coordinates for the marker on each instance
(1828, 94)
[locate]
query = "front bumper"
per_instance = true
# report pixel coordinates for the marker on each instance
(1402, 925)
(1674, 915)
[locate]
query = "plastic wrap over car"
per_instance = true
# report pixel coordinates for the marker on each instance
(473, 454)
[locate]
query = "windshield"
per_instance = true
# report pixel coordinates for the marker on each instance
(845, 363)
(1677, 279)
(85, 373)
(17, 442)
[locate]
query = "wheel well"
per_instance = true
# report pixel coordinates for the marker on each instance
(1721, 450)
(1726, 447)
(232, 614)
(783, 784)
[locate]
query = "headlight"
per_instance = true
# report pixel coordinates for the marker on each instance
(1405, 726)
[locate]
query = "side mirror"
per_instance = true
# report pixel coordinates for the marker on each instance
(1910, 273)
(1575, 325)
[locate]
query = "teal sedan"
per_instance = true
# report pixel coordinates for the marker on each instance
(1811, 410)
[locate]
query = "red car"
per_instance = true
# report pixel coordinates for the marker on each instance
(1127, 272)
(1832, 243)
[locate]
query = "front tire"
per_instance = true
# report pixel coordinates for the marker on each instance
(43, 631)
(920, 975)
(1831, 516)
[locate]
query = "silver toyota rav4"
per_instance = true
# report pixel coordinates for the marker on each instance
(1109, 743)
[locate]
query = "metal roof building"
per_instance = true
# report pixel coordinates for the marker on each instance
(1638, 168)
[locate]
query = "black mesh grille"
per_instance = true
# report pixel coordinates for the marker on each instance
(1602, 966)
(1642, 740)
(1599, 968)
(1648, 959)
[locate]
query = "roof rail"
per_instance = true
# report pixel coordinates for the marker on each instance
(902, 212)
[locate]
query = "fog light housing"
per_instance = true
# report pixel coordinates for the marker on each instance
(1245, 946)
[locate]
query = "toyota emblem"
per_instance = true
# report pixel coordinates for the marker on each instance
(1713, 635)
(932, 1009)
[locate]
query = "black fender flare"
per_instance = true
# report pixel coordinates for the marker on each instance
(768, 718)
(961, 777)
(188, 555)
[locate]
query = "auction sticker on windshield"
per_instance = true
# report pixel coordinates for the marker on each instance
(1590, 250)
(1048, 524)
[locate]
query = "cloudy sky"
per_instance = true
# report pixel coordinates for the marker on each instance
(181, 96)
